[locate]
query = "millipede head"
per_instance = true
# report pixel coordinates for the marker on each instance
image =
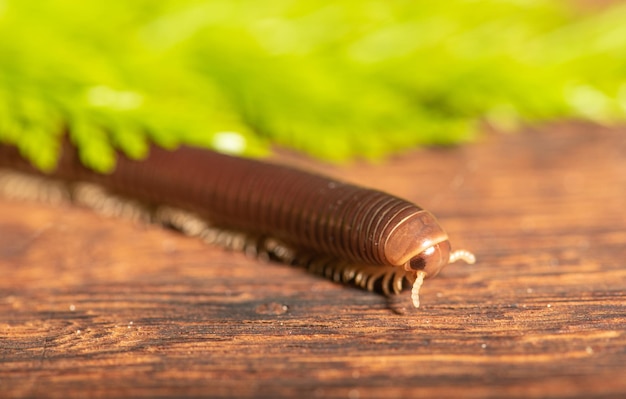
(430, 261)
(416, 242)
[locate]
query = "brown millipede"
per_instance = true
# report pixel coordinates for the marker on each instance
(345, 232)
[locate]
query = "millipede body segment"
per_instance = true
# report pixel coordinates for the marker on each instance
(346, 232)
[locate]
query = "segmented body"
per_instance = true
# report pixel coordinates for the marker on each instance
(343, 231)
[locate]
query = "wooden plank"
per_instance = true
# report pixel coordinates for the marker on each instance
(97, 307)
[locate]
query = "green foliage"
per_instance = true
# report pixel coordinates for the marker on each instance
(339, 79)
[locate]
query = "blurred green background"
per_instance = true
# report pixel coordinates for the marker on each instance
(338, 80)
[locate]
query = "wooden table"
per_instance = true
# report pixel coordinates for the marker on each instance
(98, 307)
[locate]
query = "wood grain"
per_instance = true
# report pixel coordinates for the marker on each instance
(98, 307)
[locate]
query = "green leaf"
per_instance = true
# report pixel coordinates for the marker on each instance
(340, 80)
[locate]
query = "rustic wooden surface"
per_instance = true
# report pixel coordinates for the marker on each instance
(97, 307)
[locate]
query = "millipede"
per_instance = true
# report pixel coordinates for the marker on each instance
(348, 233)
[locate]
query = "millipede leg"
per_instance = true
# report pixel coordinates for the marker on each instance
(21, 186)
(105, 203)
